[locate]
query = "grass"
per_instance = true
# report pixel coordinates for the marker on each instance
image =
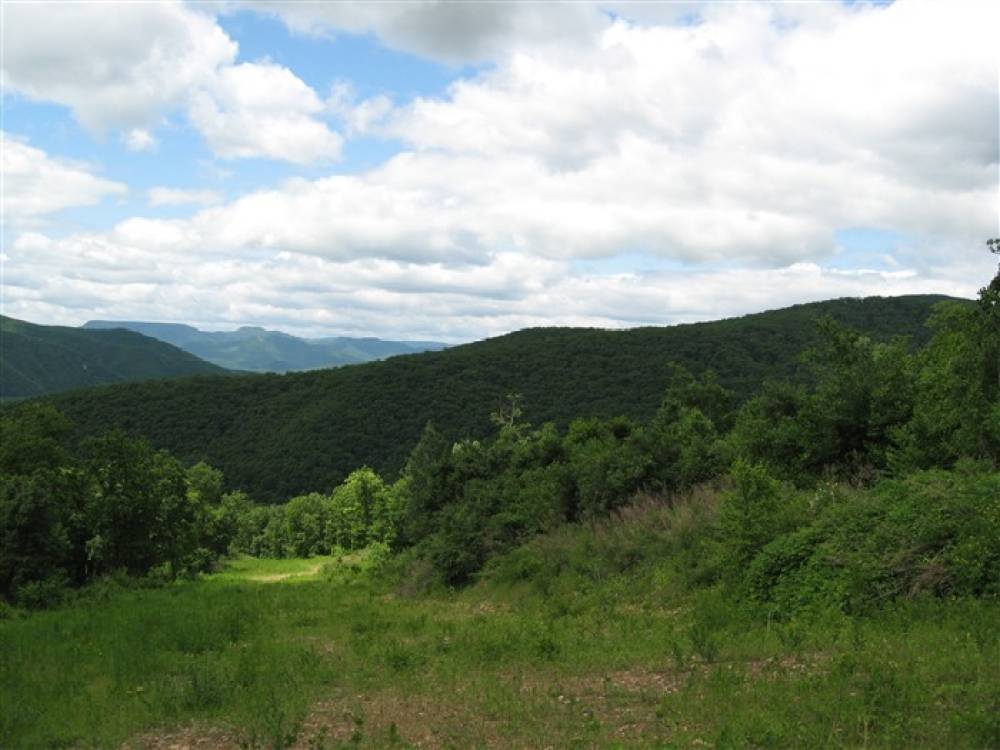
(288, 570)
(590, 637)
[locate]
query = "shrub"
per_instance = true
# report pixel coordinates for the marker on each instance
(751, 515)
(44, 594)
(933, 532)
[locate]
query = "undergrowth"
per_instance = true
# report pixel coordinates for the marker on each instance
(858, 618)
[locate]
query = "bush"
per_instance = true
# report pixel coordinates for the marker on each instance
(933, 532)
(44, 594)
(751, 515)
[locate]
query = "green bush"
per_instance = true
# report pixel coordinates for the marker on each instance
(43, 594)
(933, 532)
(755, 512)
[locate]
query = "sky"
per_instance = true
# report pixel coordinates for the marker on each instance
(455, 170)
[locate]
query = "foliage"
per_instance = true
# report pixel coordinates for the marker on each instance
(113, 504)
(818, 567)
(281, 436)
(37, 360)
(753, 514)
(860, 411)
(933, 532)
(957, 410)
(859, 394)
(608, 653)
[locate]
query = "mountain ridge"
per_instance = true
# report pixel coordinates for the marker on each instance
(281, 435)
(258, 349)
(36, 360)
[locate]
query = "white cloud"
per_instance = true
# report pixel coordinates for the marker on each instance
(733, 149)
(747, 135)
(359, 117)
(166, 196)
(395, 298)
(138, 139)
(263, 110)
(36, 184)
(452, 32)
(128, 67)
(115, 67)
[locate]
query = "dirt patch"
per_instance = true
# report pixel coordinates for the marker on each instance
(192, 737)
(389, 718)
(535, 710)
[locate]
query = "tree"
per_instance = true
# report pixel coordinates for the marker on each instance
(426, 473)
(34, 538)
(305, 520)
(607, 462)
(33, 437)
(863, 392)
(957, 409)
(138, 513)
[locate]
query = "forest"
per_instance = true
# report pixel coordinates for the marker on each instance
(864, 482)
(866, 410)
(278, 436)
(37, 360)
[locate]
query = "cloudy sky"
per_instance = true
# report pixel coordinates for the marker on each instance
(453, 170)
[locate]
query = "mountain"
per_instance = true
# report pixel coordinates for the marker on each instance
(36, 359)
(280, 435)
(256, 349)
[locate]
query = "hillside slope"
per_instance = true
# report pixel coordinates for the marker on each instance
(257, 349)
(36, 359)
(278, 435)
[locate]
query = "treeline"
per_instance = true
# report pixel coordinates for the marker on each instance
(73, 513)
(866, 410)
(280, 436)
(113, 505)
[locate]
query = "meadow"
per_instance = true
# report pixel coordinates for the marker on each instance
(818, 566)
(594, 635)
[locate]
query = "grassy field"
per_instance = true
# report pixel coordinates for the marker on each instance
(317, 654)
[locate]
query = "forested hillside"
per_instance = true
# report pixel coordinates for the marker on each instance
(277, 436)
(815, 566)
(256, 349)
(36, 360)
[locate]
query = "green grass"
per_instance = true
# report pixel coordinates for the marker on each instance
(285, 570)
(590, 637)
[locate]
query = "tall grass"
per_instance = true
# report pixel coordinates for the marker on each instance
(614, 633)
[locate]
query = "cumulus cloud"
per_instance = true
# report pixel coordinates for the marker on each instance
(732, 149)
(451, 32)
(756, 133)
(395, 298)
(138, 139)
(772, 136)
(128, 68)
(119, 67)
(256, 109)
(359, 116)
(36, 184)
(166, 196)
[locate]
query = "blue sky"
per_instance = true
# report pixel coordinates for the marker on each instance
(449, 171)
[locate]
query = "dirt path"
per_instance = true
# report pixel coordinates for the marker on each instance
(311, 572)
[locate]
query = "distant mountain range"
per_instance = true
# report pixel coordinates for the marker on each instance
(254, 349)
(36, 360)
(279, 435)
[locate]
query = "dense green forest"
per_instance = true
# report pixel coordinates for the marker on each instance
(36, 360)
(255, 349)
(864, 410)
(277, 436)
(816, 564)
